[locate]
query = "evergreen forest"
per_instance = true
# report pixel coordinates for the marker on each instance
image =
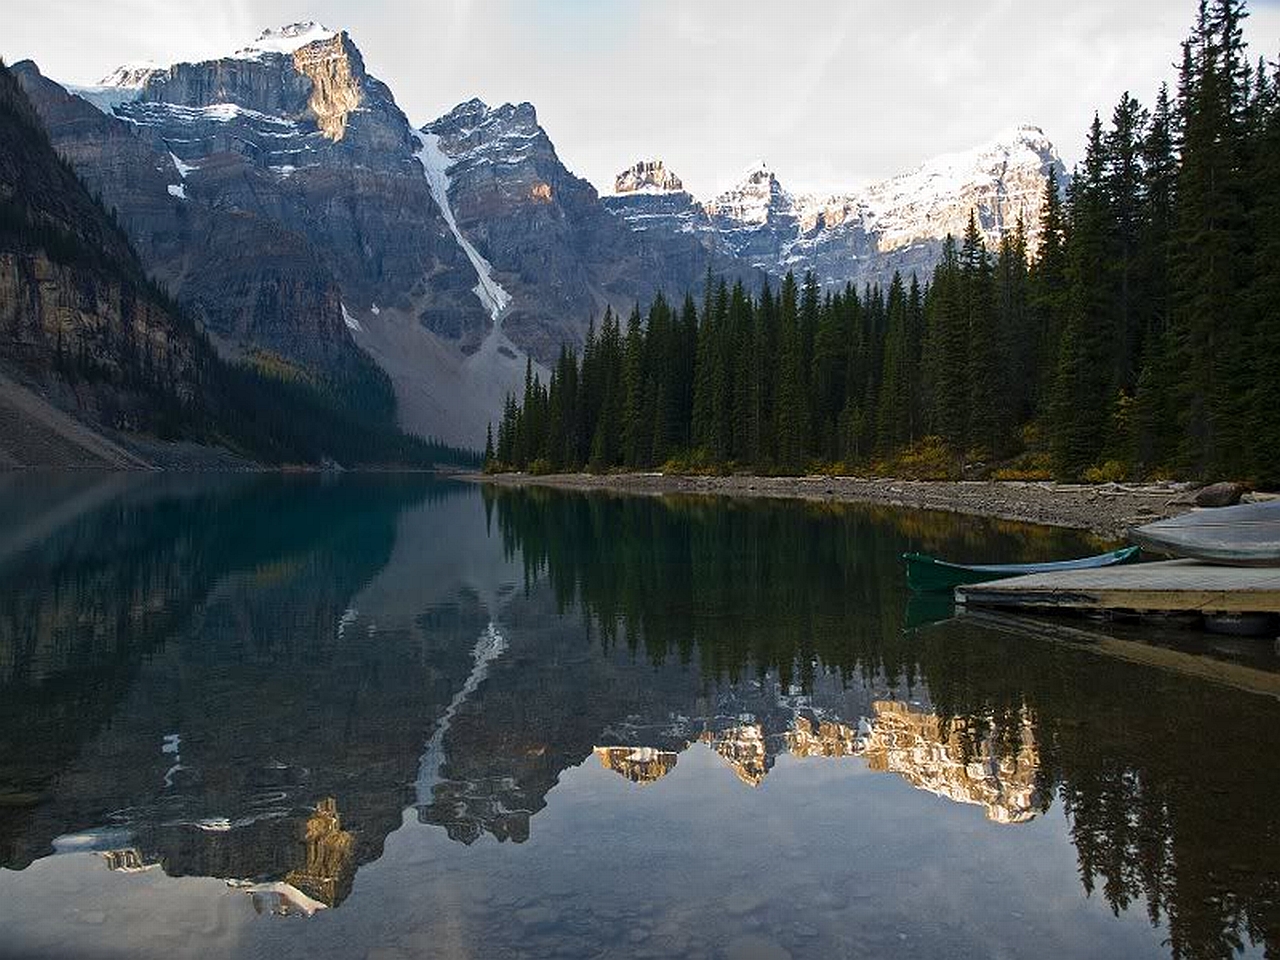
(1139, 339)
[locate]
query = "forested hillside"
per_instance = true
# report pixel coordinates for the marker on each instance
(1141, 338)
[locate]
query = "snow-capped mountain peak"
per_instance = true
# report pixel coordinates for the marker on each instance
(286, 40)
(758, 199)
(130, 76)
(647, 176)
(475, 133)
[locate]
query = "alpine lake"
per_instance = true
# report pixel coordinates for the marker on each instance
(391, 717)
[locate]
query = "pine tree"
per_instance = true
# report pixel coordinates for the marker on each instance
(830, 367)
(1049, 289)
(1264, 292)
(1210, 261)
(634, 448)
(1083, 389)
(984, 429)
(1016, 335)
(744, 428)
(1124, 183)
(946, 350)
(893, 407)
(1155, 439)
(790, 413)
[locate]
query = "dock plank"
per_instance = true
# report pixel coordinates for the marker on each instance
(1171, 586)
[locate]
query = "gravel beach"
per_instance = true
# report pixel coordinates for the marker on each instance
(1104, 509)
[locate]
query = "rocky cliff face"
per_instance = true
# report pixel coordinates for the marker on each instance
(653, 202)
(638, 764)
(914, 744)
(551, 244)
(72, 294)
(254, 284)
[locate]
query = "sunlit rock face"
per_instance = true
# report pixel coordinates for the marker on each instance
(641, 765)
(647, 176)
(744, 748)
(899, 738)
(824, 738)
(914, 744)
(335, 92)
(331, 863)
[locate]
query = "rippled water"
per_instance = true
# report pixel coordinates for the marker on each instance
(390, 717)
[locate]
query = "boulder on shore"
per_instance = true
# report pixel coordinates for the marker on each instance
(1219, 495)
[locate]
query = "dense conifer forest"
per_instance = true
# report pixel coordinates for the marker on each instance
(1141, 338)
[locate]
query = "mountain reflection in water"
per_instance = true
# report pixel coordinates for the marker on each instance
(254, 678)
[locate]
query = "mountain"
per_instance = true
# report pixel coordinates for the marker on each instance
(283, 196)
(278, 193)
(652, 200)
(559, 252)
(286, 200)
(857, 236)
(98, 363)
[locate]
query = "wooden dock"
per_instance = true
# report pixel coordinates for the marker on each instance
(1168, 587)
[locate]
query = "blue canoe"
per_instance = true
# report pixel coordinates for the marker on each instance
(927, 574)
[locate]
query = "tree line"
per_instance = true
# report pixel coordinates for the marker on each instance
(1140, 338)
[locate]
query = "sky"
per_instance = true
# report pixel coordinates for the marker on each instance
(832, 94)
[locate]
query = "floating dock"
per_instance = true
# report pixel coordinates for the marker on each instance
(1167, 587)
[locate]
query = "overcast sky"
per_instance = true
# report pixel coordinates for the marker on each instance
(831, 93)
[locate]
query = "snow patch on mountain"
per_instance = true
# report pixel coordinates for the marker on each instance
(435, 166)
(924, 202)
(352, 324)
(286, 40)
(182, 168)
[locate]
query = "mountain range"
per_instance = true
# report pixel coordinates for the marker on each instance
(285, 199)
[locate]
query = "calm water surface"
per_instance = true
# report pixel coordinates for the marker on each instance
(391, 718)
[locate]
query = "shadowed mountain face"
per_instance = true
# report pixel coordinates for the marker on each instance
(72, 293)
(205, 184)
(343, 692)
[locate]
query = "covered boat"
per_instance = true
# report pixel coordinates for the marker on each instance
(927, 574)
(1247, 535)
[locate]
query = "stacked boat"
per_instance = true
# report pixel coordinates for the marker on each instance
(1225, 574)
(1244, 536)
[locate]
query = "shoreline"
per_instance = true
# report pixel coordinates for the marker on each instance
(1107, 510)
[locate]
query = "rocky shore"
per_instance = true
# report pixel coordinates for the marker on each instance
(1105, 509)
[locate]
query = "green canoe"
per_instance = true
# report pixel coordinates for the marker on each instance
(927, 574)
